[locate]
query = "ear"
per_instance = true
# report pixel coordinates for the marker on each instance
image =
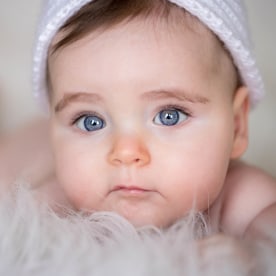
(241, 110)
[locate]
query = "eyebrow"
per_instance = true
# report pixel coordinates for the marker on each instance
(174, 94)
(69, 98)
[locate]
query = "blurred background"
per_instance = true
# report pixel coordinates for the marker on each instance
(17, 30)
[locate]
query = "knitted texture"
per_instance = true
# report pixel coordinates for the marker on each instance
(226, 18)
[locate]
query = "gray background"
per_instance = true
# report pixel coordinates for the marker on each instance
(17, 29)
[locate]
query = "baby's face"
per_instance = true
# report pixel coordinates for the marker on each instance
(142, 121)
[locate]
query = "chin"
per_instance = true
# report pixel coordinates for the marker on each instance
(142, 217)
(140, 220)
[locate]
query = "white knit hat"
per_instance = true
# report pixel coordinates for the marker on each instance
(226, 18)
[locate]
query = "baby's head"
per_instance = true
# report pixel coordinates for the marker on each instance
(148, 106)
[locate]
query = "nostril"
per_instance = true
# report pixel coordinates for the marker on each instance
(116, 161)
(127, 160)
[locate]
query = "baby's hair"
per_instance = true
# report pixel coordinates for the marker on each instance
(107, 13)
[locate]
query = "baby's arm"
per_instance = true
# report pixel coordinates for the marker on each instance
(25, 157)
(249, 200)
(248, 222)
(25, 154)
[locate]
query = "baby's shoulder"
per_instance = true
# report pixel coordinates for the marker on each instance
(248, 191)
(241, 174)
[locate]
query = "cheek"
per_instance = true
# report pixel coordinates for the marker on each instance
(80, 173)
(195, 169)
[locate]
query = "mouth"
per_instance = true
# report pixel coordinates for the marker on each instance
(130, 190)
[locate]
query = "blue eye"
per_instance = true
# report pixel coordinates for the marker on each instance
(90, 123)
(170, 117)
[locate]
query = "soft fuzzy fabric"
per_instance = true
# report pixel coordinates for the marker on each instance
(36, 241)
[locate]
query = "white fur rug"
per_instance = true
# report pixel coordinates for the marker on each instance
(36, 241)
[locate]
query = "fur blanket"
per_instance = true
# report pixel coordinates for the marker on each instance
(36, 241)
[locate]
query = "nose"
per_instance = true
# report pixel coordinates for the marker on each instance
(129, 150)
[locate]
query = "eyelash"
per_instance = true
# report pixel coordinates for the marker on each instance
(78, 116)
(175, 107)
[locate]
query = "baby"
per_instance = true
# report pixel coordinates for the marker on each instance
(148, 104)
